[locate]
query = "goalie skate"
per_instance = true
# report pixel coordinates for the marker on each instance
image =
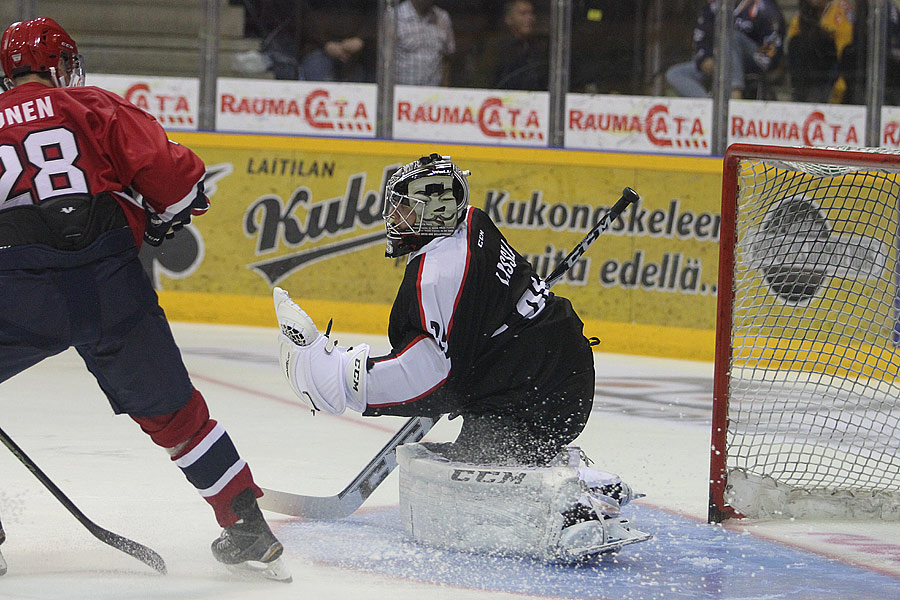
(588, 539)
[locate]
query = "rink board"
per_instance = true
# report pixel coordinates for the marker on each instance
(305, 214)
(364, 318)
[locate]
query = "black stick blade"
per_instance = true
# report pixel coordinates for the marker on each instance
(144, 554)
(140, 552)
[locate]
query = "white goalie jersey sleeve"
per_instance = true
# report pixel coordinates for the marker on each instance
(412, 373)
(424, 365)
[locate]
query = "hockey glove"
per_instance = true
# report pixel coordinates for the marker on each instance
(158, 229)
(324, 376)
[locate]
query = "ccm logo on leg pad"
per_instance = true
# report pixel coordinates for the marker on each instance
(488, 476)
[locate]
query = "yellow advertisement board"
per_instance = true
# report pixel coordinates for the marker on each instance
(305, 214)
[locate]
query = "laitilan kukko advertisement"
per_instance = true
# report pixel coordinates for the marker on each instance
(305, 214)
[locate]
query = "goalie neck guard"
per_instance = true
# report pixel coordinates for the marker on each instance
(424, 199)
(36, 46)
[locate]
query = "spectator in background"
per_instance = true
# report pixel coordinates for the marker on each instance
(817, 37)
(522, 61)
(854, 59)
(756, 48)
(339, 40)
(424, 42)
(275, 22)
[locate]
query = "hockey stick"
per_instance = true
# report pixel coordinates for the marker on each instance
(346, 502)
(628, 196)
(139, 551)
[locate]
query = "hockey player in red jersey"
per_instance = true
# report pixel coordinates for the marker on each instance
(475, 333)
(85, 177)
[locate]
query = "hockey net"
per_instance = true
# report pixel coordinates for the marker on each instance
(806, 416)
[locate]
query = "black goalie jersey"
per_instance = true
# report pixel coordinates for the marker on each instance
(474, 330)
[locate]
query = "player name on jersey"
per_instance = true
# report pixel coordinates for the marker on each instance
(32, 110)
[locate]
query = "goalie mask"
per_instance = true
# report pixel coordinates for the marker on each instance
(37, 46)
(424, 199)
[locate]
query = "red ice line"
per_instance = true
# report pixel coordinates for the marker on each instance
(862, 543)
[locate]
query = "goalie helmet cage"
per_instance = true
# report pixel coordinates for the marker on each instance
(806, 393)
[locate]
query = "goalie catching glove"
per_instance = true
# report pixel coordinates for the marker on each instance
(323, 375)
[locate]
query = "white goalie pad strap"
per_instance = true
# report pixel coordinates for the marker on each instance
(599, 485)
(326, 377)
(594, 497)
(596, 478)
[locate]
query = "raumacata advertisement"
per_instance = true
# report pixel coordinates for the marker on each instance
(305, 214)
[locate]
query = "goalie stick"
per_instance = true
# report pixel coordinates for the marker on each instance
(345, 503)
(139, 551)
(628, 196)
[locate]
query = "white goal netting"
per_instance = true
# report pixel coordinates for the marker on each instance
(813, 417)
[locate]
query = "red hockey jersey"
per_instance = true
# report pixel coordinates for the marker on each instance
(58, 141)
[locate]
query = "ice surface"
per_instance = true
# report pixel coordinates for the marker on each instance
(650, 425)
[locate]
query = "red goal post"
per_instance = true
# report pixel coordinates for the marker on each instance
(806, 393)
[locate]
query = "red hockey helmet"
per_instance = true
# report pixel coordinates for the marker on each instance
(36, 46)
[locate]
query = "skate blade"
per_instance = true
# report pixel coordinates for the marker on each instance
(274, 570)
(577, 555)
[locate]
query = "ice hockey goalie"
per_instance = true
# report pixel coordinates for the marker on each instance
(565, 512)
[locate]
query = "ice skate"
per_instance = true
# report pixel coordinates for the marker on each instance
(249, 548)
(587, 539)
(595, 525)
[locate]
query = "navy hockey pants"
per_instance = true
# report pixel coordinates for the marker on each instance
(100, 301)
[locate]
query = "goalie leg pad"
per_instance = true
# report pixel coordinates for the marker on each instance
(519, 510)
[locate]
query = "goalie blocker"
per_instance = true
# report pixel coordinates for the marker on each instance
(566, 511)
